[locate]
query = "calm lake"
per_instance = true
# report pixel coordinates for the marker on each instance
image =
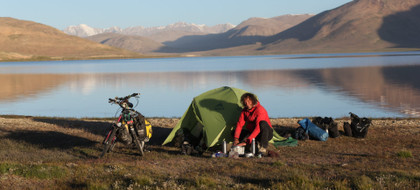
(332, 85)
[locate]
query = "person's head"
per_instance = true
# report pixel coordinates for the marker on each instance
(248, 100)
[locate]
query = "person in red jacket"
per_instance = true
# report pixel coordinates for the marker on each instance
(258, 124)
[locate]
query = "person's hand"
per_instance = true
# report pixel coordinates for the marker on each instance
(235, 142)
(241, 144)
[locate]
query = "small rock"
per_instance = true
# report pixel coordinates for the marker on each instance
(71, 165)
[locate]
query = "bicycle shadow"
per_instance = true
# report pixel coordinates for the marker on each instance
(34, 141)
(50, 139)
(94, 127)
(59, 140)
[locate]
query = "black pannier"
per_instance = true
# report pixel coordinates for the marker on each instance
(359, 126)
(327, 124)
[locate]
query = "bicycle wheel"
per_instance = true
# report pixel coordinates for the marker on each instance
(140, 146)
(109, 142)
(137, 141)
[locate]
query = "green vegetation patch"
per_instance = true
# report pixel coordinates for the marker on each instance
(205, 182)
(364, 182)
(279, 164)
(40, 171)
(404, 154)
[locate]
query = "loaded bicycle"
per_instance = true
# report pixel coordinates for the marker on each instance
(130, 128)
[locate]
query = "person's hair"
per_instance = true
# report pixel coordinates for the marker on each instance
(251, 96)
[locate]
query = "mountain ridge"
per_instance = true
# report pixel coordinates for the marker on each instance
(83, 30)
(353, 26)
(23, 40)
(248, 32)
(132, 43)
(251, 30)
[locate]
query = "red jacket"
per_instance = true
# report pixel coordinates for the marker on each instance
(252, 118)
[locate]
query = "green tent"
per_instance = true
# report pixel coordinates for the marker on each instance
(214, 115)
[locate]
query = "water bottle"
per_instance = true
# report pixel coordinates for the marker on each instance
(224, 147)
(253, 146)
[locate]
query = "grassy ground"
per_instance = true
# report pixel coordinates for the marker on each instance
(62, 153)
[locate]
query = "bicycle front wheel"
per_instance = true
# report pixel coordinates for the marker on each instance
(109, 141)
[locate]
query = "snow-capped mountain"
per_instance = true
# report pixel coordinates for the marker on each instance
(84, 30)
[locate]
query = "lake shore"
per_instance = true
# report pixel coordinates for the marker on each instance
(62, 153)
(377, 53)
(170, 122)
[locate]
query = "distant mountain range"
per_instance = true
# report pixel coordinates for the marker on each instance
(357, 26)
(182, 37)
(83, 30)
(251, 31)
(155, 33)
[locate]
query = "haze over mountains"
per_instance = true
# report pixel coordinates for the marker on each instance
(158, 33)
(357, 26)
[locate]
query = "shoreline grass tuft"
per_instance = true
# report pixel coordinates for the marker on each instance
(405, 154)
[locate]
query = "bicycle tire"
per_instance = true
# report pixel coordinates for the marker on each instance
(139, 143)
(109, 142)
(140, 146)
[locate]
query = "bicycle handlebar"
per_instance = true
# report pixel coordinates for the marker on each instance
(119, 100)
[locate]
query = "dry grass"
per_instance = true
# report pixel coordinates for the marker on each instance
(61, 153)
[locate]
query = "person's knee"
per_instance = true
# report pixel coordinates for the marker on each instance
(264, 124)
(265, 128)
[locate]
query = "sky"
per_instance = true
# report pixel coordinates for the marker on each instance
(126, 13)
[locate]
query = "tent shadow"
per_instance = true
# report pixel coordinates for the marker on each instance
(159, 135)
(162, 149)
(284, 131)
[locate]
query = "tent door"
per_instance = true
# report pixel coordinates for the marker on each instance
(197, 130)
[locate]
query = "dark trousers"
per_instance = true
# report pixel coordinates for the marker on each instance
(265, 135)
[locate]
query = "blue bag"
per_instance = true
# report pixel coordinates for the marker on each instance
(313, 130)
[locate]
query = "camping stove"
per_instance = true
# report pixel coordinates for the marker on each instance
(240, 150)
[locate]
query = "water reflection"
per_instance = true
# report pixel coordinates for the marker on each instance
(15, 86)
(168, 93)
(391, 87)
